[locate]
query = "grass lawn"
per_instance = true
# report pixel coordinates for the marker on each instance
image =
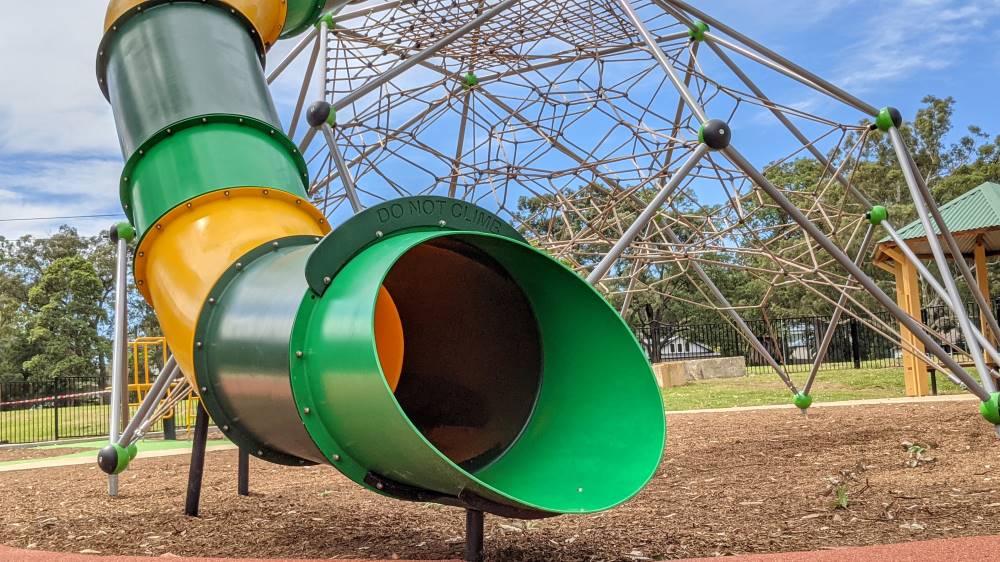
(762, 390)
(36, 425)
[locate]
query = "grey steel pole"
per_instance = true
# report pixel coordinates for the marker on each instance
(119, 357)
(303, 92)
(929, 278)
(345, 173)
(460, 145)
(421, 56)
(773, 66)
(602, 268)
(956, 252)
(845, 261)
(291, 56)
(654, 49)
(734, 316)
(832, 89)
(153, 397)
(909, 173)
(824, 345)
(365, 12)
(323, 61)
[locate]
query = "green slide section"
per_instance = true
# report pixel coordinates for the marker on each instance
(301, 14)
(207, 154)
(520, 383)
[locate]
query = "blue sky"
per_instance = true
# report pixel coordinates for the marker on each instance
(59, 154)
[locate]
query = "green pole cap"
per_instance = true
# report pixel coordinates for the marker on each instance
(990, 410)
(133, 450)
(877, 215)
(326, 18)
(803, 401)
(470, 81)
(698, 31)
(888, 117)
(121, 231)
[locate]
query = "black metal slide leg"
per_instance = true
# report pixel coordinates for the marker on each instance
(197, 469)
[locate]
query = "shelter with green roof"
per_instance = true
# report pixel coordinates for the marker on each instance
(974, 220)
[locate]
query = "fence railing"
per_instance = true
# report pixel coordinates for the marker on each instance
(794, 341)
(63, 408)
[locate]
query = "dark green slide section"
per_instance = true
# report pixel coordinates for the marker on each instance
(181, 60)
(520, 383)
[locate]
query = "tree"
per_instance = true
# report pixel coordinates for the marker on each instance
(65, 306)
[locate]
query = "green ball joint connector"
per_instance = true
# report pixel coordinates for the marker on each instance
(698, 31)
(715, 134)
(319, 113)
(470, 81)
(803, 401)
(114, 459)
(121, 231)
(877, 215)
(888, 118)
(990, 410)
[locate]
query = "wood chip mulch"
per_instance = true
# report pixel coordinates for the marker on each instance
(751, 482)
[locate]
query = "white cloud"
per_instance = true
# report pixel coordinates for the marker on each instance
(50, 102)
(57, 188)
(913, 36)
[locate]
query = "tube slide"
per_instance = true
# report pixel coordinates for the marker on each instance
(423, 348)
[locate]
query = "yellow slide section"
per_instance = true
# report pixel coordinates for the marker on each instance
(268, 16)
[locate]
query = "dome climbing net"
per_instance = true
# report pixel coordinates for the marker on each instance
(631, 139)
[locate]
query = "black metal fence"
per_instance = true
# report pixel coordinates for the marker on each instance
(794, 342)
(35, 411)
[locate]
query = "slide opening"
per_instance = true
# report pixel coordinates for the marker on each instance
(472, 363)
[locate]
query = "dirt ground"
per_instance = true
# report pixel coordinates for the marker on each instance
(764, 481)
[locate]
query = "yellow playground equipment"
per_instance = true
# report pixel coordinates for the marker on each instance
(148, 355)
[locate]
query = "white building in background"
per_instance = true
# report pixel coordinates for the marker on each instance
(678, 348)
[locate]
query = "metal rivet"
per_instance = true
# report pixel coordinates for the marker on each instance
(125, 179)
(306, 410)
(197, 344)
(442, 224)
(336, 458)
(298, 201)
(225, 428)
(327, 280)
(170, 131)
(159, 227)
(139, 281)
(239, 265)
(266, 191)
(379, 485)
(241, 120)
(188, 205)
(204, 119)
(211, 300)
(379, 234)
(226, 193)
(260, 452)
(204, 389)
(275, 245)
(579, 489)
(299, 354)
(317, 238)
(141, 254)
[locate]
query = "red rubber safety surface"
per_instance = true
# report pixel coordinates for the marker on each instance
(942, 550)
